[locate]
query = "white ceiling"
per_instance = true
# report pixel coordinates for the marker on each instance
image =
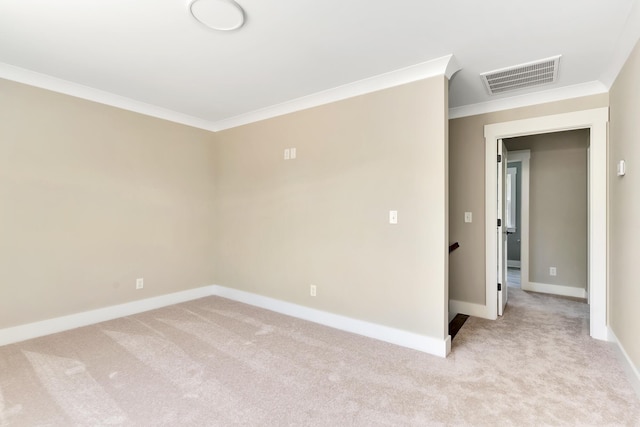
(153, 55)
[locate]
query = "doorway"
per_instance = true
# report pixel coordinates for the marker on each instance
(596, 121)
(557, 212)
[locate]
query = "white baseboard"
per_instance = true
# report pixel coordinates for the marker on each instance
(567, 291)
(72, 321)
(438, 347)
(471, 309)
(630, 369)
(513, 263)
(435, 346)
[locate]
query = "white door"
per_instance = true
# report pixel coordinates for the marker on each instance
(502, 227)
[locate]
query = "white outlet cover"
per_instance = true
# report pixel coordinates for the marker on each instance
(468, 217)
(293, 152)
(287, 154)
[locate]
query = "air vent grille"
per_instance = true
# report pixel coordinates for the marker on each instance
(522, 76)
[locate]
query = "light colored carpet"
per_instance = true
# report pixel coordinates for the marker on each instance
(214, 362)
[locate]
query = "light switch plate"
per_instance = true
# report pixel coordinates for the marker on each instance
(293, 152)
(287, 154)
(468, 217)
(393, 217)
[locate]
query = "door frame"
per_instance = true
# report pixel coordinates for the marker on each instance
(501, 230)
(524, 157)
(596, 120)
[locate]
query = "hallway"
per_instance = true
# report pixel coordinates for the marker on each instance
(513, 278)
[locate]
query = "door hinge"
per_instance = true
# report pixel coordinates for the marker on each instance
(499, 286)
(499, 222)
(499, 158)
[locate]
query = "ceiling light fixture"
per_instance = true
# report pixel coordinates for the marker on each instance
(221, 15)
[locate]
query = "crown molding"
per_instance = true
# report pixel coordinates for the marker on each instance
(535, 98)
(627, 41)
(446, 65)
(44, 81)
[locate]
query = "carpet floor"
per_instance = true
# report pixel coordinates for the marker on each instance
(215, 362)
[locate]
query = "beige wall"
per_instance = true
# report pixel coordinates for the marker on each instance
(93, 197)
(558, 206)
(323, 218)
(466, 184)
(624, 210)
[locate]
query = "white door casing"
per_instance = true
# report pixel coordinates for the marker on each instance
(501, 228)
(524, 157)
(596, 121)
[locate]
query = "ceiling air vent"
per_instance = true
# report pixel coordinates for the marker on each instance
(536, 73)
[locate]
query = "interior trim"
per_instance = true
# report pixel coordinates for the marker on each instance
(445, 65)
(546, 288)
(64, 323)
(54, 84)
(630, 369)
(426, 344)
(529, 99)
(399, 337)
(624, 46)
(524, 157)
(468, 308)
(597, 121)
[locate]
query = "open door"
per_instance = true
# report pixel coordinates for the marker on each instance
(502, 228)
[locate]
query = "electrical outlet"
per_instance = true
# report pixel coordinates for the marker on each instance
(287, 154)
(292, 152)
(139, 283)
(552, 271)
(312, 290)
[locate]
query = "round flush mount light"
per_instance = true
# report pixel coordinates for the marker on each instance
(221, 15)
